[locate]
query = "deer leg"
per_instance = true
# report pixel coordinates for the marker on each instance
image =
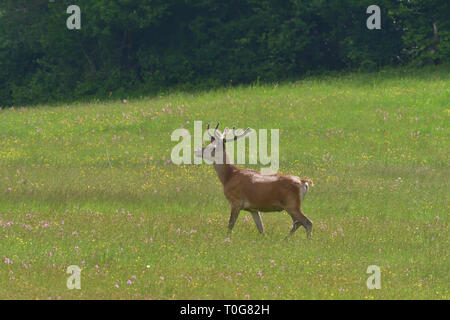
(299, 219)
(257, 218)
(234, 214)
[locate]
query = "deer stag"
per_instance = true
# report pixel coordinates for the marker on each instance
(252, 191)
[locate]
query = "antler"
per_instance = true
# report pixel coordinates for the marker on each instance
(221, 136)
(237, 136)
(216, 134)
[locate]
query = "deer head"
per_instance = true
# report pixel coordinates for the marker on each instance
(215, 151)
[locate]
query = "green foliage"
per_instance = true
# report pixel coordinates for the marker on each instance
(150, 45)
(426, 30)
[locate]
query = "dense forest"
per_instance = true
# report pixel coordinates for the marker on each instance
(146, 46)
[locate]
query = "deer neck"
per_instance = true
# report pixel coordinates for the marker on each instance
(225, 169)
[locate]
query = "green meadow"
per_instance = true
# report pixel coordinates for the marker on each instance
(91, 184)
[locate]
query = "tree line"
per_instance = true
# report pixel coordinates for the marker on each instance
(145, 46)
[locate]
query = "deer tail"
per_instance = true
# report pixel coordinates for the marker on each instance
(308, 180)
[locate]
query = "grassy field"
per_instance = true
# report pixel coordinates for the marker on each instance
(91, 184)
